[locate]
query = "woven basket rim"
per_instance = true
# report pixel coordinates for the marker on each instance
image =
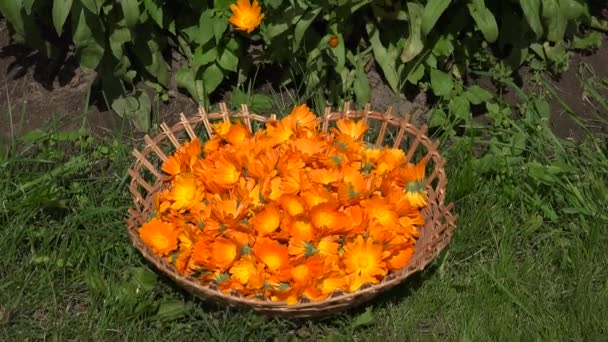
(441, 224)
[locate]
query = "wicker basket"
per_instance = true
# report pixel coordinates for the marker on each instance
(436, 233)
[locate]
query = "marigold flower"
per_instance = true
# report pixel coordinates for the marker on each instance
(185, 192)
(271, 253)
(223, 254)
(301, 117)
(363, 259)
(399, 260)
(246, 271)
(291, 204)
(267, 220)
(333, 41)
(307, 272)
(246, 16)
(160, 236)
(327, 216)
(354, 129)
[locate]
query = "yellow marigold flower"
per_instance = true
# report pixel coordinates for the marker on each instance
(246, 16)
(160, 236)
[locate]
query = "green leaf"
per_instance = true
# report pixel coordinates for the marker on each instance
(205, 26)
(11, 10)
(417, 74)
(261, 103)
(143, 277)
(361, 86)
(477, 95)
(201, 58)
(186, 79)
(130, 11)
(532, 12)
(272, 30)
(220, 25)
(141, 116)
(364, 319)
(413, 43)
(60, 12)
(383, 58)
(592, 41)
(555, 20)
(443, 46)
(441, 83)
(302, 25)
(432, 11)
(460, 108)
(228, 60)
(222, 5)
(171, 310)
(91, 5)
(484, 19)
(87, 35)
(27, 5)
(148, 52)
(212, 78)
(155, 10)
(437, 118)
(118, 37)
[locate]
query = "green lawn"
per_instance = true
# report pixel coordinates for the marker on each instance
(529, 259)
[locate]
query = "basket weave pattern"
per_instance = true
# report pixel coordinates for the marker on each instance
(146, 180)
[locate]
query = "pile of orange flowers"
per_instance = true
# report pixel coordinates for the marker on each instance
(287, 212)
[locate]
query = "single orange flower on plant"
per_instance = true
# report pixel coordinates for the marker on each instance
(333, 41)
(246, 16)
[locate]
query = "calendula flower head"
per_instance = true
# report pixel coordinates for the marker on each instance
(288, 212)
(246, 16)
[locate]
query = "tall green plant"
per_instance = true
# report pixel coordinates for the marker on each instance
(328, 44)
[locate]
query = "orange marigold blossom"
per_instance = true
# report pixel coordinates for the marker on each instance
(273, 254)
(354, 129)
(267, 220)
(288, 212)
(186, 192)
(246, 16)
(223, 254)
(160, 236)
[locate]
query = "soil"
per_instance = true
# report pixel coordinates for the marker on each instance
(37, 93)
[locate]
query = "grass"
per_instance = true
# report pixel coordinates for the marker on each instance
(528, 261)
